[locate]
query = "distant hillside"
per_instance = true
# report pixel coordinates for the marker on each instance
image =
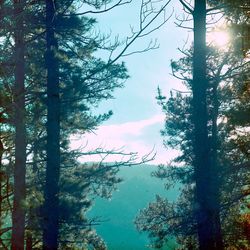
(134, 193)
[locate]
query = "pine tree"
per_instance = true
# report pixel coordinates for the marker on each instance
(51, 209)
(162, 218)
(80, 81)
(18, 216)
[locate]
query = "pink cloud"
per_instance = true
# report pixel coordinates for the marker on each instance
(129, 136)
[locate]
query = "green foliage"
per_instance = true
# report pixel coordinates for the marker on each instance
(85, 81)
(227, 102)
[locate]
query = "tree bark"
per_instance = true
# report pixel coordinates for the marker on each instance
(51, 219)
(18, 217)
(215, 184)
(29, 242)
(1, 180)
(207, 215)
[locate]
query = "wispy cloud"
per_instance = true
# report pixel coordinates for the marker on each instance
(129, 128)
(130, 136)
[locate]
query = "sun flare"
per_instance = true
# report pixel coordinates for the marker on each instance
(218, 38)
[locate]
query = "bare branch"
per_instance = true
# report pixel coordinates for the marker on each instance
(139, 33)
(182, 92)
(119, 3)
(187, 6)
(135, 35)
(150, 47)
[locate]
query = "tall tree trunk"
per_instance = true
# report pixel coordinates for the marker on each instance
(215, 181)
(1, 180)
(18, 217)
(1, 150)
(51, 223)
(29, 242)
(207, 215)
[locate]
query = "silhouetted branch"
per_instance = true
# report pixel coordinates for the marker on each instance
(187, 6)
(106, 9)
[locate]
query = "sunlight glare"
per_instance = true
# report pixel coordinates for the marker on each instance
(218, 38)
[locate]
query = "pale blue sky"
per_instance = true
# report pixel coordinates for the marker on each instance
(135, 106)
(136, 122)
(147, 70)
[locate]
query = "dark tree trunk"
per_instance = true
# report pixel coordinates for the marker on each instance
(29, 241)
(51, 219)
(1, 180)
(215, 181)
(18, 217)
(207, 215)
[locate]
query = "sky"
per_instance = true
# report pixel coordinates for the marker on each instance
(137, 120)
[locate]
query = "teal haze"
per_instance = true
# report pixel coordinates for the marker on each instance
(118, 214)
(133, 106)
